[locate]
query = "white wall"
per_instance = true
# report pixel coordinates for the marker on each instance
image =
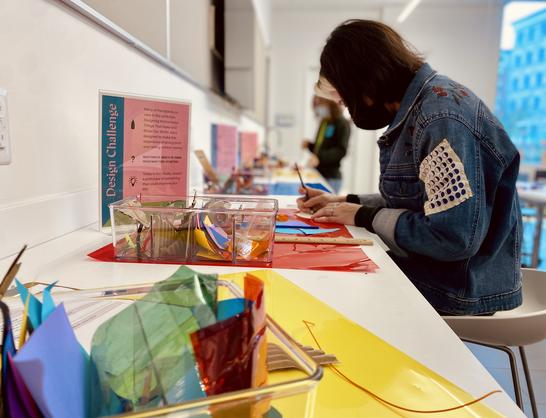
(189, 40)
(53, 63)
(459, 40)
(297, 40)
(145, 19)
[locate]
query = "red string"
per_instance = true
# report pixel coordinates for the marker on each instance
(336, 370)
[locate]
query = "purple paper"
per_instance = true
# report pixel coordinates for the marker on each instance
(54, 368)
(20, 402)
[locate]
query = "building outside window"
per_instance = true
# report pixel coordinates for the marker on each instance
(520, 81)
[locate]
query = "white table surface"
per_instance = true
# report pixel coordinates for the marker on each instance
(531, 193)
(385, 302)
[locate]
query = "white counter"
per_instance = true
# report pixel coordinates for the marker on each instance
(385, 302)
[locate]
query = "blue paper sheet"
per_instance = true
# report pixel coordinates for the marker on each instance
(230, 307)
(48, 305)
(303, 231)
(294, 224)
(34, 306)
(54, 368)
(292, 189)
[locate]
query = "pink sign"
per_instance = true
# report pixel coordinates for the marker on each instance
(224, 148)
(145, 145)
(155, 148)
(248, 146)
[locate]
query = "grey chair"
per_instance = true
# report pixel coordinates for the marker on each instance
(516, 328)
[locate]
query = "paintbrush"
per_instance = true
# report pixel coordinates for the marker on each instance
(11, 273)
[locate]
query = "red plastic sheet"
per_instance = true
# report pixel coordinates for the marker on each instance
(294, 256)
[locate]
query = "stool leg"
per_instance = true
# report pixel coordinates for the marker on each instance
(528, 380)
(513, 368)
(515, 377)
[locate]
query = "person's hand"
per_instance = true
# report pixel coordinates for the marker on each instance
(317, 199)
(305, 144)
(313, 161)
(337, 213)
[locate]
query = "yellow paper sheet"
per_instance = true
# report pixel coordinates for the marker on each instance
(364, 357)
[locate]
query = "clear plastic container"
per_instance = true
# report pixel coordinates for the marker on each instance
(204, 229)
(291, 393)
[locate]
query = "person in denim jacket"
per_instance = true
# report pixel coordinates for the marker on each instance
(448, 208)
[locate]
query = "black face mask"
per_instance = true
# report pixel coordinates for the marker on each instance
(371, 117)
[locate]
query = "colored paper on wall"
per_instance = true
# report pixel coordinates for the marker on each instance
(363, 356)
(224, 148)
(144, 145)
(248, 147)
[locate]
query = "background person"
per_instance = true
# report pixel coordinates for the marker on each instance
(331, 141)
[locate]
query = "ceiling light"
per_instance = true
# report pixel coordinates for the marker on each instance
(410, 7)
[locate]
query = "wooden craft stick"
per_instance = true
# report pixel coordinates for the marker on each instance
(322, 240)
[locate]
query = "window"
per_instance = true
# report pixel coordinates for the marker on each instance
(521, 93)
(531, 34)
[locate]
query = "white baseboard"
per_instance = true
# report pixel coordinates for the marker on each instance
(36, 221)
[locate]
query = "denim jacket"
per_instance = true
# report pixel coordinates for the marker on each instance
(451, 219)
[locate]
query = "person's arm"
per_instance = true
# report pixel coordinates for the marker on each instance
(334, 154)
(373, 199)
(455, 217)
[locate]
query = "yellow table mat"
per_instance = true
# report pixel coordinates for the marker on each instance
(364, 357)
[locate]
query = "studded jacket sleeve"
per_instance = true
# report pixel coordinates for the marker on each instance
(456, 210)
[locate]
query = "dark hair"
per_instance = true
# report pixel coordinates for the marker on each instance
(368, 58)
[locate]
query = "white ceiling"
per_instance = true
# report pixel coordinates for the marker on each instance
(364, 4)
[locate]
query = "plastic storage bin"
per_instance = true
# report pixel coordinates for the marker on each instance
(291, 393)
(194, 229)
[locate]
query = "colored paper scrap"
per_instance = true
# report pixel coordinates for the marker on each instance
(54, 368)
(225, 370)
(35, 306)
(143, 353)
(241, 363)
(294, 231)
(363, 356)
(295, 224)
(19, 400)
(230, 307)
(8, 341)
(48, 305)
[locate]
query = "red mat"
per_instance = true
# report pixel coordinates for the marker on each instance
(289, 255)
